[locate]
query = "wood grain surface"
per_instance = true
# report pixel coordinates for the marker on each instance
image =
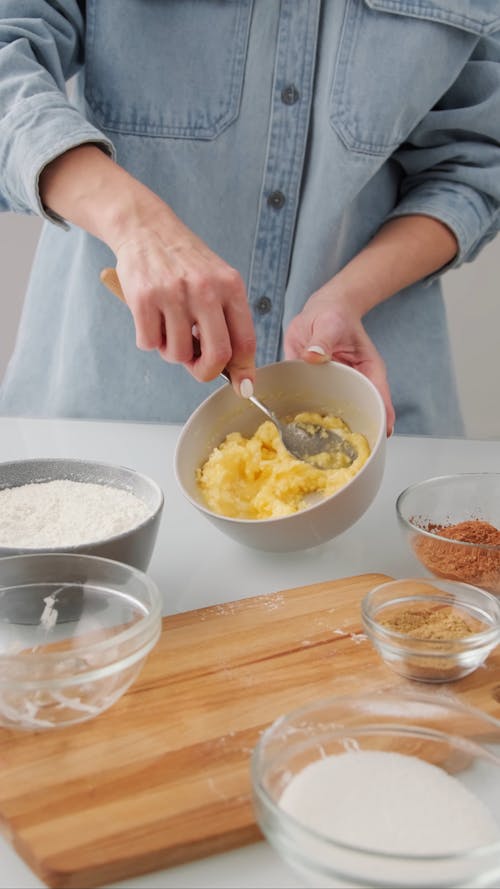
(163, 776)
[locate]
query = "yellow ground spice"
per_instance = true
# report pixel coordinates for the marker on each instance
(442, 623)
(430, 624)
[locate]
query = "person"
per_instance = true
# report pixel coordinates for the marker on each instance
(287, 179)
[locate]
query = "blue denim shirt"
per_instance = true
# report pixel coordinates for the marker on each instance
(284, 134)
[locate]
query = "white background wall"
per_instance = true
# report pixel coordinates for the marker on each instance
(472, 297)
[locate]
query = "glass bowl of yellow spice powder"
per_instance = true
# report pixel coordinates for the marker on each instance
(432, 631)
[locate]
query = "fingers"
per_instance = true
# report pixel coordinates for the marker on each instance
(225, 346)
(226, 334)
(336, 335)
(169, 291)
(241, 365)
(373, 368)
(149, 325)
(371, 364)
(379, 379)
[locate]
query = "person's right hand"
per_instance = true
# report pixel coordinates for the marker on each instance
(171, 280)
(173, 283)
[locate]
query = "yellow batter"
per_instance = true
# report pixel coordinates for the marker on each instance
(256, 478)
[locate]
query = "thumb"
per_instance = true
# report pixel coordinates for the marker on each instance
(316, 354)
(242, 380)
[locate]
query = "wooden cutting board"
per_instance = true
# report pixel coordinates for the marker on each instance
(163, 777)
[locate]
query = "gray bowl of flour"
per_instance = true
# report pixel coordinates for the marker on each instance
(76, 506)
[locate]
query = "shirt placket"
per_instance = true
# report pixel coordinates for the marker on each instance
(279, 199)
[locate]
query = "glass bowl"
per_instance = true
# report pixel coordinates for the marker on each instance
(74, 634)
(400, 834)
(433, 631)
(427, 509)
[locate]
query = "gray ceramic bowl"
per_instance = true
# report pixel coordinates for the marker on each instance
(289, 387)
(134, 546)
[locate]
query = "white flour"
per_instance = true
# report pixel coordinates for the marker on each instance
(389, 802)
(66, 513)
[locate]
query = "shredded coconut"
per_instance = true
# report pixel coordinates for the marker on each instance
(66, 513)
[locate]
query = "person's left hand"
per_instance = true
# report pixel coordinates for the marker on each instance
(330, 328)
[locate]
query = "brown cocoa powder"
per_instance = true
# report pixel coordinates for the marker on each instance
(478, 565)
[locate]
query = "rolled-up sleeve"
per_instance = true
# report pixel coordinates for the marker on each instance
(41, 48)
(451, 160)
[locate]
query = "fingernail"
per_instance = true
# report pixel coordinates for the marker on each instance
(246, 388)
(318, 349)
(195, 330)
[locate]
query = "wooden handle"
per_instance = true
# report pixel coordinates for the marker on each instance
(111, 280)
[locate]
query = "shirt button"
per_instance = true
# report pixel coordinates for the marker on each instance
(264, 305)
(276, 199)
(290, 94)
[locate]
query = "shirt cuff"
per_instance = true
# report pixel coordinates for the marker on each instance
(473, 218)
(37, 133)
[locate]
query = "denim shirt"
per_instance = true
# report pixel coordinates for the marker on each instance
(284, 134)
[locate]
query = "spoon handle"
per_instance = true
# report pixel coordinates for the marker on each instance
(267, 411)
(225, 376)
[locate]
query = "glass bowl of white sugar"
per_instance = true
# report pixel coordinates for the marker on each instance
(396, 789)
(92, 623)
(78, 506)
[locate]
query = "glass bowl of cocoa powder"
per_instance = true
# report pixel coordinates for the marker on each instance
(452, 526)
(431, 630)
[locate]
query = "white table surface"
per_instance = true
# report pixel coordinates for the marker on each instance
(195, 565)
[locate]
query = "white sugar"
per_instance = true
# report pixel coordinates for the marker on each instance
(389, 802)
(66, 513)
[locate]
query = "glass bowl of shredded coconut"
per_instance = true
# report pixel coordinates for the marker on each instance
(395, 789)
(75, 631)
(78, 506)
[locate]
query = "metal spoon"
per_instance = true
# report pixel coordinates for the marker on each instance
(306, 440)
(303, 440)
